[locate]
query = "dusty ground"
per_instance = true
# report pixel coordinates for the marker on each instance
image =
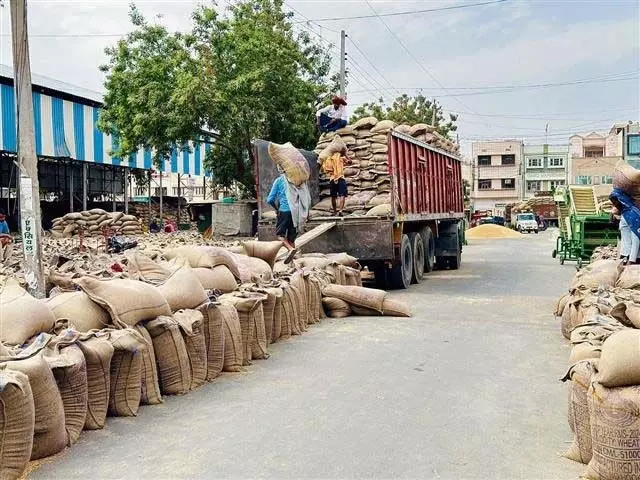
(467, 389)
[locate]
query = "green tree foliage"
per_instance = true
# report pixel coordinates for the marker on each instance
(409, 110)
(153, 90)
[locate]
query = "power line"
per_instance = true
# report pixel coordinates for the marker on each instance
(410, 12)
(372, 81)
(369, 61)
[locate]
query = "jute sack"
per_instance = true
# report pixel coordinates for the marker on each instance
(626, 178)
(216, 278)
(172, 358)
(276, 331)
(268, 307)
(364, 312)
(301, 308)
(629, 278)
(404, 129)
(365, 123)
(126, 372)
(344, 259)
(21, 315)
(183, 289)
(127, 301)
(352, 277)
(202, 256)
(191, 327)
(213, 331)
(584, 351)
(233, 349)
(628, 313)
(49, 433)
(601, 273)
(336, 145)
(395, 308)
(295, 166)
(17, 420)
(336, 308)
(364, 297)
(251, 317)
(291, 317)
(98, 353)
(253, 269)
(579, 420)
(619, 364)
(313, 262)
(267, 251)
(383, 126)
(141, 267)
(297, 281)
(615, 422)
(560, 304)
(83, 313)
(420, 128)
(150, 393)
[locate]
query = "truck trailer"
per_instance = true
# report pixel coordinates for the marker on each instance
(425, 229)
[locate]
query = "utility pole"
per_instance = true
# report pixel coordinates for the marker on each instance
(31, 225)
(434, 110)
(343, 55)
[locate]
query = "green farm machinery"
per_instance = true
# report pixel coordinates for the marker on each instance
(583, 224)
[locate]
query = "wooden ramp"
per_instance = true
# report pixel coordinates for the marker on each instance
(307, 237)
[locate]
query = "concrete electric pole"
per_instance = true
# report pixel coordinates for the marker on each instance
(343, 54)
(31, 225)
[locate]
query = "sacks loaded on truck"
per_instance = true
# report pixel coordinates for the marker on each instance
(404, 210)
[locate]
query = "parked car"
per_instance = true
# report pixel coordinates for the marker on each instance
(526, 222)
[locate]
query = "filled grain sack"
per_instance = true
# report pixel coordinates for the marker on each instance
(125, 372)
(17, 421)
(383, 210)
(584, 351)
(295, 166)
(297, 282)
(21, 315)
(98, 353)
(336, 145)
(335, 307)
(404, 129)
(213, 330)
(365, 123)
(628, 313)
(383, 126)
(141, 267)
(619, 364)
(251, 315)
(626, 178)
(127, 301)
(364, 297)
(615, 423)
(183, 289)
(233, 348)
(253, 269)
(313, 262)
(49, 433)
(290, 324)
(216, 278)
(191, 327)
(83, 313)
(267, 251)
(420, 128)
(601, 273)
(172, 358)
(150, 393)
(204, 256)
(629, 278)
(69, 368)
(344, 259)
(578, 412)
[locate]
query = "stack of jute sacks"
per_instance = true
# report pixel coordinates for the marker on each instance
(368, 174)
(95, 222)
(173, 322)
(600, 316)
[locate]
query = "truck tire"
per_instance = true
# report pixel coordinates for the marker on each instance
(429, 249)
(454, 262)
(417, 248)
(400, 275)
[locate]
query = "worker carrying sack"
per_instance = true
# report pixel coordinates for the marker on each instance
(291, 161)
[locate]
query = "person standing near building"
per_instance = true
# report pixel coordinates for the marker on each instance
(332, 117)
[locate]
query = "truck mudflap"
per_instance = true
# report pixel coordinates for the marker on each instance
(449, 240)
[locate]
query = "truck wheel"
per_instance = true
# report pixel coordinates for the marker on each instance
(417, 248)
(401, 273)
(429, 249)
(454, 262)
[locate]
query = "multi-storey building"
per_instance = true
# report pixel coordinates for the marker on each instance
(498, 174)
(545, 168)
(593, 156)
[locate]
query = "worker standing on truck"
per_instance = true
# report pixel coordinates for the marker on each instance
(629, 214)
(333, 166)
(292, 204)
(332, 117)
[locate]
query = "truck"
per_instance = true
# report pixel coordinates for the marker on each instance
(526, 222)
(425, 230)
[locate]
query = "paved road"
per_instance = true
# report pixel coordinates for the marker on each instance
(467, 389)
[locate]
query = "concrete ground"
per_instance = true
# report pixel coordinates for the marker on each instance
(468, 388)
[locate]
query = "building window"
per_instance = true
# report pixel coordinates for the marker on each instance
(607, 180)
(534, 163)
(508, 159)
(556, 162)
(553, 184)
(583, 180)
(198, 191)
(484, 160)
(141, 191)
(156, 191)
(592, 152)
(633, 145)
(508, 183)
(484, 184)
(533, 185)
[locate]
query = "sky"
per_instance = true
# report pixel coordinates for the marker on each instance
(509, 68)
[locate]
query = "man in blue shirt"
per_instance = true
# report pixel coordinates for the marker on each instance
(6, 240)
(4, 228)
(285, 230)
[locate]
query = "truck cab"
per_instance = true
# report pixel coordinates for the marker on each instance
(526, 222)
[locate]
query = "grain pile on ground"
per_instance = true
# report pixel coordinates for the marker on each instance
(600, 315)
(95, 222)
(489, 231)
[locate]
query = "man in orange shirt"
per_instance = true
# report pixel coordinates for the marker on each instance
(334, 167)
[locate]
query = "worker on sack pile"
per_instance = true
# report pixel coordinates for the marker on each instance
(332, 117)
(6, 240)
(629, 213)
(333, 166)
(292, 204)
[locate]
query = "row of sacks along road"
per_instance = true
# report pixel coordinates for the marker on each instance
(170, 323)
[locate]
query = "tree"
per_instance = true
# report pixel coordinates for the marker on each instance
(409, 110)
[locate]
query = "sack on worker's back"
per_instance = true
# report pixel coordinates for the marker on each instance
(578, 412)
(626, 178)
(191, 327)
(619, 363)
(629, 278)
(127, 301)
(216, 278)
(98, 353)
(126, 372)
(601, 273)
(267, 251)
(213, 331)
(295, 166)
(335, 307)
(337, 145)
(362, 296)
(83, 313)
(21, 315)
(16, 423)
(183, 289)
(172, 358)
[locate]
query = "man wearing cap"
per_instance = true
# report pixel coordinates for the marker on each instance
(332, 117)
